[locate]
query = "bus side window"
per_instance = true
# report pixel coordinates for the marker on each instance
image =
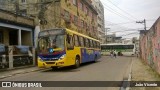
(94, 45)
(76, 41)
(99, 46)
(84, 41)
(91, 43)
(70, 45)
(87, 44)
(81, 41)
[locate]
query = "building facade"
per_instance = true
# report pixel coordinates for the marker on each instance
(113, 39)
(78, 15)
(16, 30)
(8, 5)
(100, 19)
(24, 7)
(16, 40)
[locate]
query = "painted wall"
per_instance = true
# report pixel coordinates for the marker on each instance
(150, 46)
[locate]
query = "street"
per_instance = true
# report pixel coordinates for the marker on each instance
(106, 69)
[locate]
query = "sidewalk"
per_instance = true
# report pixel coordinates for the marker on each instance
(9, 73)
(142, 72)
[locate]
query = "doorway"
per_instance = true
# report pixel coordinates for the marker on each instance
(13, 37)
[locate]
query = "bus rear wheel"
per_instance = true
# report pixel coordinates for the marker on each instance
(77, 62)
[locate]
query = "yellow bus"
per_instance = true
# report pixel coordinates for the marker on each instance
(64, 47)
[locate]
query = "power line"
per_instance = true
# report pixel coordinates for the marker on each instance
(122, 10)
(128, 34)
(127, 30)
(119, 13)
(116, 13)
(120, 23)
(113, 24)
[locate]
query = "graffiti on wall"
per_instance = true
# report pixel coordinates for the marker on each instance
(150, 46)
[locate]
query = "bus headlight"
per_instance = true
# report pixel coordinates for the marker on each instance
(62, 57)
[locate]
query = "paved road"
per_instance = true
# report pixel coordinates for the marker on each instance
(107, 69)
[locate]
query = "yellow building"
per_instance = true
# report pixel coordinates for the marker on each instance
(78, 15)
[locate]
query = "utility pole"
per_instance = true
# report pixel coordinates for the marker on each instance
(142, 22)
(106, 29)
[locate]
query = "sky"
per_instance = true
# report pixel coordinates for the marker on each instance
(121, 16)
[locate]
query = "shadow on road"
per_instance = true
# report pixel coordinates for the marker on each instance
(70, 68)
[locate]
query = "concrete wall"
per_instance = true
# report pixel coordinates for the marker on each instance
(150, 46)
(15, 18)
(26, 38)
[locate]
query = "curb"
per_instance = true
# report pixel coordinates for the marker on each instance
(23, 72)
(130, 75)
(127, 78)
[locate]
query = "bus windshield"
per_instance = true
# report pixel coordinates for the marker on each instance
(49, 44)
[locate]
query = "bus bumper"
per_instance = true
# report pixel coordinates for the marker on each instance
(49, 64)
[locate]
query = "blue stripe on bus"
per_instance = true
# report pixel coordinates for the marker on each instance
(88, 55)
(50, 56)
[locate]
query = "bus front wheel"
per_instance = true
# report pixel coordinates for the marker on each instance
(54, 68)
(77, 62)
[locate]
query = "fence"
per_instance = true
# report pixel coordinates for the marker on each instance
(16, 56)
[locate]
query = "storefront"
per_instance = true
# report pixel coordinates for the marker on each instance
(16, 42)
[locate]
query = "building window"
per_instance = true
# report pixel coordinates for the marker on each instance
(86, 11)
(75, 20)
(1, 37)
(85, 25)
(81, 6)
(23, 1)
(99, 25)
(82, 23)
(74, 2)
(66, 15)
(91, 14)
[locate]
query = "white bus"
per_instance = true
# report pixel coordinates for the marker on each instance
(121, 49)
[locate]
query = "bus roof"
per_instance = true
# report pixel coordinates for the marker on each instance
(71, 31)
(74, 32)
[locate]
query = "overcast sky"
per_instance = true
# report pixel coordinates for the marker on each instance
(131, 11)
